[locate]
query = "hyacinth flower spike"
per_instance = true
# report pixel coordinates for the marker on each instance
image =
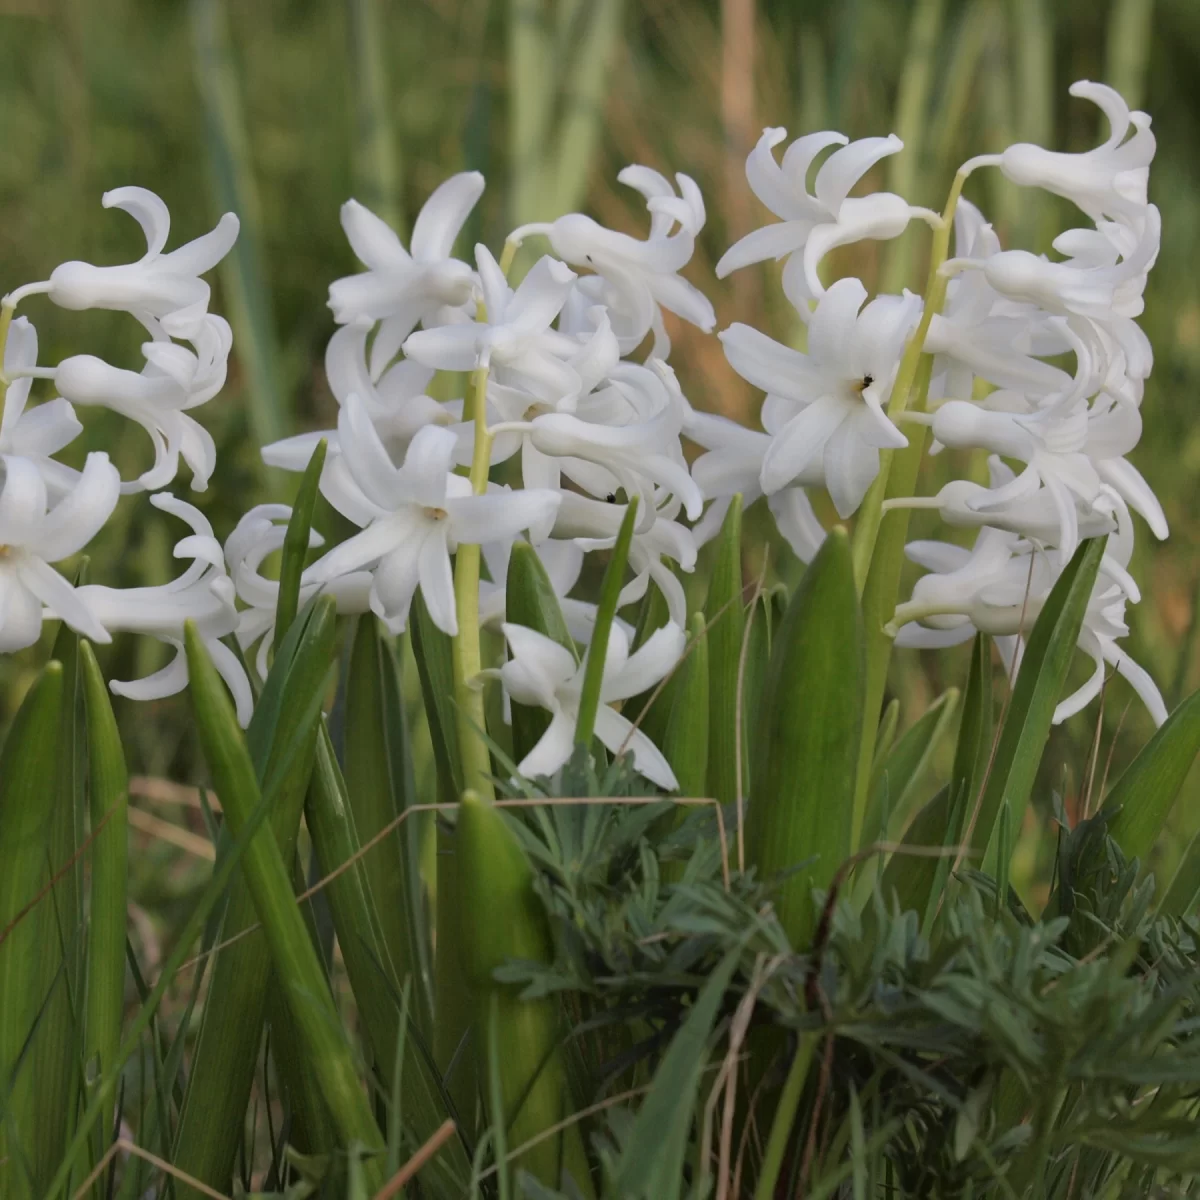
(164, 291)
(543, 674)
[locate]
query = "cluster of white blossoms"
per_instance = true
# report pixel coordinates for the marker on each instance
(570, 370)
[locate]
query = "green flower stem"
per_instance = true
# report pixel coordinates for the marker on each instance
(468, 662)
(6, 315)
(906, 387)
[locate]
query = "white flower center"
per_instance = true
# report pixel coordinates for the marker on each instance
(435, 514)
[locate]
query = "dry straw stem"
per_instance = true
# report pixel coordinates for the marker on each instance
(521, 802)
(168, 831)
(433, 1144)
(133, 1148)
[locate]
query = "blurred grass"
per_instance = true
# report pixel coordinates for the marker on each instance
(285, 108)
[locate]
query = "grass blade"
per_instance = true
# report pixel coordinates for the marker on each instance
(685, 743)
(295, 544)
(297, 967)
(606, 610)
(242, 273)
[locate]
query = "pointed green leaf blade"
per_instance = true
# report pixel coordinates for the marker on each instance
(727, 620)
(803, 784)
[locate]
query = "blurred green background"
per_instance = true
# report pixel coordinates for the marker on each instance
(281, 109)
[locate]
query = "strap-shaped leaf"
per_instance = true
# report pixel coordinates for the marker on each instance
(1048, 655)
(1141, 799)
(28, 787)
(298, 970)
(685, 742)
(295, 543)
(507, 921)
(109, 788)
(798, 823)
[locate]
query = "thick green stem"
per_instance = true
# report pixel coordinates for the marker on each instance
(476, 761)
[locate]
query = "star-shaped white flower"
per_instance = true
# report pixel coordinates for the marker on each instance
(515, 341)
(414, 517)
(403, 289)
(33, 535)
(262, 532)
(635, 278)
(173, 380)
(813, 224)
(164, 291)
(40, 432)
(543, 674)
(203, 594)
(824, 409)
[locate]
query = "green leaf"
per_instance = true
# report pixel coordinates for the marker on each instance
(888, 725)
(1049, 652)
(685, 743)
(530, 600)
(295, 543)
(907, 762)
(28, 788)
(435, 666)
(606, 610)
(803, 783)
(507, 921)
(726, 616)
(651, 1163)
(374, 978)
(916, 881)
(109, 786)
(297, 967)
(280, 742)
(379, 783)
(59, 920)
(1141, 799)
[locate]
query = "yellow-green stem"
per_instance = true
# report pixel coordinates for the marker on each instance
(866, 529)
(6, 316)
(476, 760)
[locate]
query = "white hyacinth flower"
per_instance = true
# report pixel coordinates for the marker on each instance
(1000, 587)
(1108, 181)
(594, 525)
(543, 674)
(825, 408)
(813, 224)
(33, 535)
(635, 279)
(396, 404)
(164, 291)
(402, 289)
(258, 534)
(40, 432)
(204, 594)
(173, 380)
(414, 517)
(515, 341)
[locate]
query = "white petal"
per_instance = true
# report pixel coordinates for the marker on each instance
(801, 441)
(230, 670)
(448, 347)
(365, 456)
(553, 748)
(615, 730)
(443, 215)
(850, 467)
(22, 501)
(392, 587)
(44, 582)
(845, 167)
(647, 665)
(82, 513)
(831, 332)
(797, 523)
(168, 681)
(437, 580)
(500, 515)
(147, 209)
(429, 459)
(373, 241)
